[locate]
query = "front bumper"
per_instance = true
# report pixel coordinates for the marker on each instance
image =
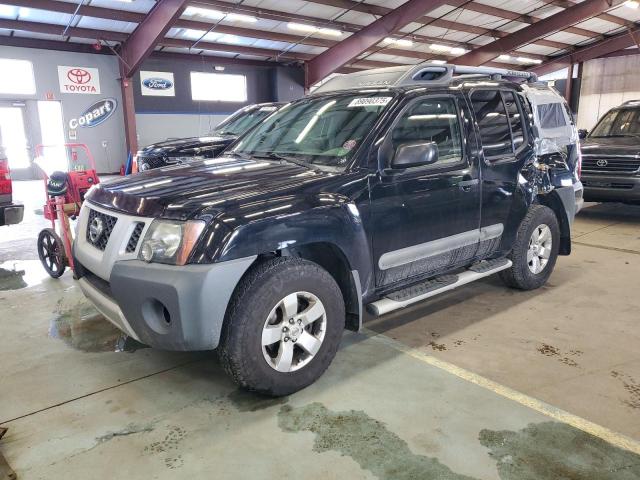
(611, 188)
(11, 214)
(166, 306)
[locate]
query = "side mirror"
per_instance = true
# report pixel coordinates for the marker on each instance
(415, 154)
(582, 133)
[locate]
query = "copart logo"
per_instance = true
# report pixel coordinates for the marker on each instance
(96, 114)
(157, 83)
(79, 76)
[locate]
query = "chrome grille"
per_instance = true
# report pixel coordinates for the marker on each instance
(135, 237)
(611, 165)
(151, 162)
(99, 228)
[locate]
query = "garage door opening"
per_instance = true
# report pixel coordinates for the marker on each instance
(14, 138)
(54, 154)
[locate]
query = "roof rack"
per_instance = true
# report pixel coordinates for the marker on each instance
(422, 74)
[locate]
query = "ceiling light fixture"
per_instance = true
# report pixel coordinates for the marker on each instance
(529, 60)
(218, 15)
(632, 4)
(302, 27)
(447, 49)
(403, 42)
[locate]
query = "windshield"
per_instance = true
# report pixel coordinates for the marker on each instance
(244, 120)
(624, 122)
(324, 131)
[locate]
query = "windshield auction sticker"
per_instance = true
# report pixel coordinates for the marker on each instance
(370, 102)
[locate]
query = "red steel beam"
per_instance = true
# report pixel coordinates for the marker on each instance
(149, 32)
(524, 36)
(342, 53)
(602, 48)
(378, 10)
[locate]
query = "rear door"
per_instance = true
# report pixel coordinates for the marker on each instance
(499, 117)
(426, 218)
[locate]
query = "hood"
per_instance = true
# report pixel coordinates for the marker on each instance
(187, 146)
(611, 146)
(209, 187)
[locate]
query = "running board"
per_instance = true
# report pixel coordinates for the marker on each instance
(430, 288)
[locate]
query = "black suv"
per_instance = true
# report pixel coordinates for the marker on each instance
(380, 190)
(181, 150)
(611, 156)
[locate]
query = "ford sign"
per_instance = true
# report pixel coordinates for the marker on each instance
(157, 83)
(95, 114)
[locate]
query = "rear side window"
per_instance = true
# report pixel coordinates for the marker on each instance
(434, 120)
(551, 115)
(513, 112)
(491, 116)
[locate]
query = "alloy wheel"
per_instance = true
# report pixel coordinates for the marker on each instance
(293, 332)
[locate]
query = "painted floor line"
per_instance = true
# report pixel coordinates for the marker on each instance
(614, 438)
(602, 247)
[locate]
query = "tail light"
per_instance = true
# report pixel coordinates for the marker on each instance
(5, 177)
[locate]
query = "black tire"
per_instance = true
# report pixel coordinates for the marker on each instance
(261, 289)
(520, 275)
(51, 252)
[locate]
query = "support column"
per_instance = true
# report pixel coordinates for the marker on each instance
(129, 110)
(568, 87)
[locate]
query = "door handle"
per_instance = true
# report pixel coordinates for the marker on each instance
(465, 185)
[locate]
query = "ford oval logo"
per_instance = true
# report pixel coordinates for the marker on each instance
(157, 83)
(96, 114)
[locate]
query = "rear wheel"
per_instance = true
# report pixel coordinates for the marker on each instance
(535, 251)
(51, 252)
(283, 326)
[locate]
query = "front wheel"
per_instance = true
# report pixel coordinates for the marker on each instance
(283, 326)
(535, 251)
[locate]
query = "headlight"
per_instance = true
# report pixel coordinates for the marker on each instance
(170, 242)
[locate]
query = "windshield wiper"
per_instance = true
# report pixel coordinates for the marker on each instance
(282, 158)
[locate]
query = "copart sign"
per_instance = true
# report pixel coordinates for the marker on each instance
(96, 114)
(80, 80)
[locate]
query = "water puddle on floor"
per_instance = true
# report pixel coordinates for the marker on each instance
(19, 274)
(83, 328)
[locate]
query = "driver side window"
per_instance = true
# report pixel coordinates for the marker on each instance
(431, 120)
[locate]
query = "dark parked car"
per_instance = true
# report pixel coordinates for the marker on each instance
(611, 156)
(380, 190)
(10, 213)
(180, 150)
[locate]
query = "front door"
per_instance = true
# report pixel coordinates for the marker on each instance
(504, 138)
(427, 218)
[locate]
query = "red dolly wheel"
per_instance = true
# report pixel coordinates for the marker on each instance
(51, 252)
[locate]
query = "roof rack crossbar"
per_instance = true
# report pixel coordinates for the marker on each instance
(423, 74)
(467, 70)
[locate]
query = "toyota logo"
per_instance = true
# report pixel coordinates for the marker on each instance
(96, 229)
(79, 76)
(602, 163)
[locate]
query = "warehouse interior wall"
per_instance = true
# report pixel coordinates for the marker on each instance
(161, 117)
(157, 117)
(606, 83)
(106, 140)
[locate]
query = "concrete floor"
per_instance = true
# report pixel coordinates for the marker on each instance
(388, 409)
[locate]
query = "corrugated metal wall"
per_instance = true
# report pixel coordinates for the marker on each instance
(606, 83)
